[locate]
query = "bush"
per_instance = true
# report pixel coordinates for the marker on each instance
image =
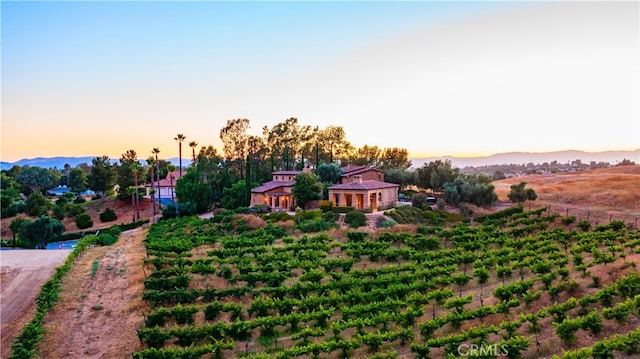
(330, 216)
(83, 220)
(79, 200)
(37, 205)
(419, 200)
(314, 214)
(169, 211)
(355, 219)
(314, 225)
(106, 239)
(73, 210)
(387, 223)
(108, 215)
(326, 206)
(186, 209)
(357, 236)
(61, 201)
(584, 225)
(278, 217)
(58, 212)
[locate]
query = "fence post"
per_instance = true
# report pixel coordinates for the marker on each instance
(610, 216)
(567, 212)
(246, 348)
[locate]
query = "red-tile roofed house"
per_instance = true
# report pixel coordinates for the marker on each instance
(165, 188)
(363, 188)
(277, 192)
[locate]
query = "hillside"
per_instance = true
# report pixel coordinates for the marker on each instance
(612, 157)
(600, 194)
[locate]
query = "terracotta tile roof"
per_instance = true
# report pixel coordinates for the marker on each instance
(364, 185)
(166, 182)
(271, 185)
(357, 170)
(286, 172)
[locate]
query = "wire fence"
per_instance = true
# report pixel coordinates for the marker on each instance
(596, 217)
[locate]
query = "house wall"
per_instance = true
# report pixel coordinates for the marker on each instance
(278, 198)
(383, 198)
(165, 192)
(364, 176)
(283, 177)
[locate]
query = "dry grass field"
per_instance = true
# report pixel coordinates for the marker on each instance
(600, 194)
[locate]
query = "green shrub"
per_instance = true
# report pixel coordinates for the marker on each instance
(73, 210)
(330, 216)
(355, 219)
(387, 223)
(314, 225)
(314, 214)
(106, 239)
(584, 225)
(79, 200)
(83, 220)
(37, 205)
(568, 220)
(356, 236)
(108, 215)
(58, 212)
(169, 211)
(419, 200)
(277, 217)
(186, 209)
(326, 206)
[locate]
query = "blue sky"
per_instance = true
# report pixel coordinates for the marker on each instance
(438, 78)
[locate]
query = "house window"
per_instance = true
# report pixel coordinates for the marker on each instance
(379, 196)
(336, 199)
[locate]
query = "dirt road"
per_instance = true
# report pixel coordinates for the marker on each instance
(100, 304)
(22, 273)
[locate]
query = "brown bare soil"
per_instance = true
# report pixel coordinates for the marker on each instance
(22, 273)
(99, 312)
(124, 211)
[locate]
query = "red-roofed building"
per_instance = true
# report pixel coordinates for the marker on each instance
(277, 192)
(363, 188)
(165, 188)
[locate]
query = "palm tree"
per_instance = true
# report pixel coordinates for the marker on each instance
(180, 137)
(193, 145)
(171, 168)
(135, 166)
(151, 162)
(155, 151)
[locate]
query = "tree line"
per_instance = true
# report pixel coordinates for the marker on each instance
(224, 179)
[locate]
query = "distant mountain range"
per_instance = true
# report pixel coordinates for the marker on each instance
(59, 162)
(611, 157)
(501, 158)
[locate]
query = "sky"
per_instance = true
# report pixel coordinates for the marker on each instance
(456, 78)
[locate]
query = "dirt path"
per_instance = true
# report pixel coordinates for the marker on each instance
(22, 273)
(100, 304)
